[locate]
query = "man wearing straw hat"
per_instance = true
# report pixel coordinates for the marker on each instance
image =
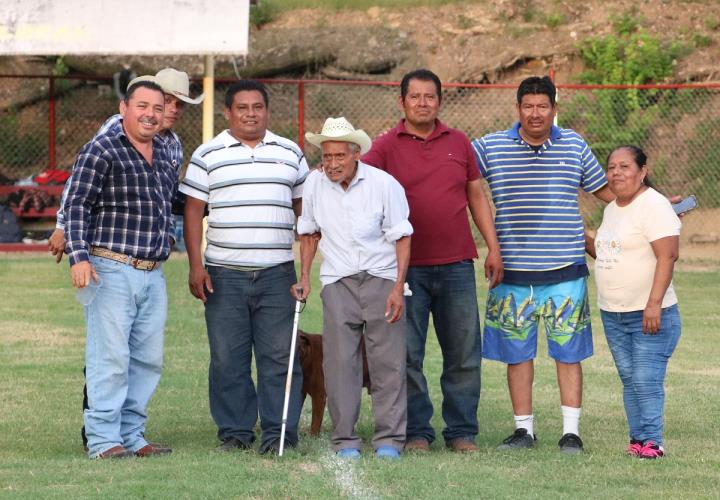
(362, 216)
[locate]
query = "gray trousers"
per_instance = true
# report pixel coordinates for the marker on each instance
(354, 306)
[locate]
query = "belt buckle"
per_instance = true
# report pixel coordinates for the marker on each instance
(137, 264)
(142, 265)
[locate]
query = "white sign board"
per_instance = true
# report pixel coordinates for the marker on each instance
(138, 27)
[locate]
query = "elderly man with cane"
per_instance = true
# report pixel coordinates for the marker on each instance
(362, 216)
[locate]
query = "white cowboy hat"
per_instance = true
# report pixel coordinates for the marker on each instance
(143, 78)
(339, 129)
(176, 83)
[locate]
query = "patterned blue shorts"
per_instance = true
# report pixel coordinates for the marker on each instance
(514, 312)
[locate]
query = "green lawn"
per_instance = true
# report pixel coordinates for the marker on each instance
(41, 358)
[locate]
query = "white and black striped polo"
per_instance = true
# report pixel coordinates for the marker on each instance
(249, 192)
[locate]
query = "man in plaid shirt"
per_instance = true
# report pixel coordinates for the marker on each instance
(118, 230)
(176, 86)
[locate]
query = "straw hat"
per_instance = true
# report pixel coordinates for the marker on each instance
(176, 83)
(143, 78)
(339, 129)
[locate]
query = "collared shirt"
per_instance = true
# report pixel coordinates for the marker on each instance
(249, 192)
(118, 201)
(360, 226)
(434, 172)
(170, 138)
(535, 193)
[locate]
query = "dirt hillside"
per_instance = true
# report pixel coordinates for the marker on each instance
(496, 41)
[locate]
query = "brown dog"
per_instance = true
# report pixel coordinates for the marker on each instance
(311, 361)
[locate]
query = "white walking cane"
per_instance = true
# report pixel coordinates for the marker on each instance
(288, 379)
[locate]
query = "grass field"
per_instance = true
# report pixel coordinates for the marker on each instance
(41, 358)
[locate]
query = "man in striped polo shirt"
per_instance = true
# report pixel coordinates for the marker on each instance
(534, 170)
(251, 181)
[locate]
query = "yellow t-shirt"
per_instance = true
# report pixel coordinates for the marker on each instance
(625, 264)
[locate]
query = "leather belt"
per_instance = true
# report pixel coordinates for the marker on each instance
(139, 264)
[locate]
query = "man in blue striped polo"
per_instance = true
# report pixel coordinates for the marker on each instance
(251, 181)
(534, 170)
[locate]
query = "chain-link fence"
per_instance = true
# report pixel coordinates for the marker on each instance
(678, 126)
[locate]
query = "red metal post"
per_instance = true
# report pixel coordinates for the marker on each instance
(301, 115)
(552, 75)
(51, 123)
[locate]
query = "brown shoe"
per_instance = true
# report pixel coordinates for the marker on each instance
(462, 445)
(153, 449)
(115, 452)
(419, 445)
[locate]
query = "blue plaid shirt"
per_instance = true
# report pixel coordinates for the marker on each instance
(172, 142)
(117, 201)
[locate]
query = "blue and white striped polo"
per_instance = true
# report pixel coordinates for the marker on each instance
(535, 193)
(249, 192)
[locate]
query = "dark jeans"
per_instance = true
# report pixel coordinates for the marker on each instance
(252, 310)
(448, 292)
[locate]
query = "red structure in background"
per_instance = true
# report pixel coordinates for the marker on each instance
(77, 105)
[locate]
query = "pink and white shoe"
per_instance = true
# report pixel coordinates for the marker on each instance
(651, 451)
(634, 448)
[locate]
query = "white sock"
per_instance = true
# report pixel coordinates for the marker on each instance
(571, 420)
(525, 422)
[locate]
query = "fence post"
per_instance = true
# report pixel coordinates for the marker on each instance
(51, 123)
(557, 94)
(301, 115)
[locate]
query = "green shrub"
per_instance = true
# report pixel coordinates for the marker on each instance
(613, 117)
(263, 13)
(712, 23)
(464, 22)
(628, 59)
(701, 40)
(554, 20)
(627, 23)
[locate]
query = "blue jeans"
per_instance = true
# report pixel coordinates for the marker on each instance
(252, 309)
(179, 245)
(123, 354)
(448, 293)
(641, 361)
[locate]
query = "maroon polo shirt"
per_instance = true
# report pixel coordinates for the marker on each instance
(434, 172)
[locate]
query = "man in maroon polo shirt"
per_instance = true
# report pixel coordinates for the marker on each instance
(437, 167)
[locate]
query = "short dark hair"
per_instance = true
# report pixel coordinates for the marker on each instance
(142, 84)
(639, 157)
(424, 75)
(245, 85)
(537, 85)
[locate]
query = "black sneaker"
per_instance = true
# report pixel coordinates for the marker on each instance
(232, 443)
(519, 440)
(273, 447)
(571, 444)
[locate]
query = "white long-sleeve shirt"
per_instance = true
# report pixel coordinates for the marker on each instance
(359, 226)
